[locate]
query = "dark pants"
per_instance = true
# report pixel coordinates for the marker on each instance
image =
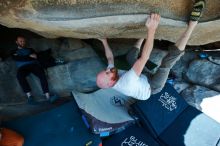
(38, 71)
(158, 80)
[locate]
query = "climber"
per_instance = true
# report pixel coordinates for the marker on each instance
(133, 83)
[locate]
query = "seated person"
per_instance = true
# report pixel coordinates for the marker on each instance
(26, 62)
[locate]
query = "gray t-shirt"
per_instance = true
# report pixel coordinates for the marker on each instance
(133, 85)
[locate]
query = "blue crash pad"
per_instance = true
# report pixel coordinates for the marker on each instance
(192, 128)
(175, 123)
(100, 108)
(161, 109)
(61, 126)
(132, 136)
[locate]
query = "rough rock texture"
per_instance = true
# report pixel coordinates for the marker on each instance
(180, 86)
(67, 49)
(195, 94)
(181, 67)
(119, 46)
(205, 73)
(215, 60)
(9, 87)
(109, 18)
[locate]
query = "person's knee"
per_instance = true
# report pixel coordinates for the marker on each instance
(156, 90)
(175, 51)
(132, 56)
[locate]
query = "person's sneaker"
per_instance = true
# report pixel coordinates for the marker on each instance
(53, 98)
(31, 101)
(59, 61)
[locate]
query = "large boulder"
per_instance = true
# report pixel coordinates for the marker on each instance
(109, 18)
(119, 46)
(67, 49)
(204, 73)
(9, 87)
(74, 49)
(181, 66)
(180, 86)
(203, 99)
(194, 95)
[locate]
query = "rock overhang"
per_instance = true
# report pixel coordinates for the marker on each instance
(109, 18)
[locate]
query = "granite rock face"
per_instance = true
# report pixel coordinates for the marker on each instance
(195, 95)
(204, 73)
(109, 18)
(9, 87)
(181, 66)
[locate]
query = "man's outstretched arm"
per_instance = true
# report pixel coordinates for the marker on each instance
(151, 24)
(108, 52)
